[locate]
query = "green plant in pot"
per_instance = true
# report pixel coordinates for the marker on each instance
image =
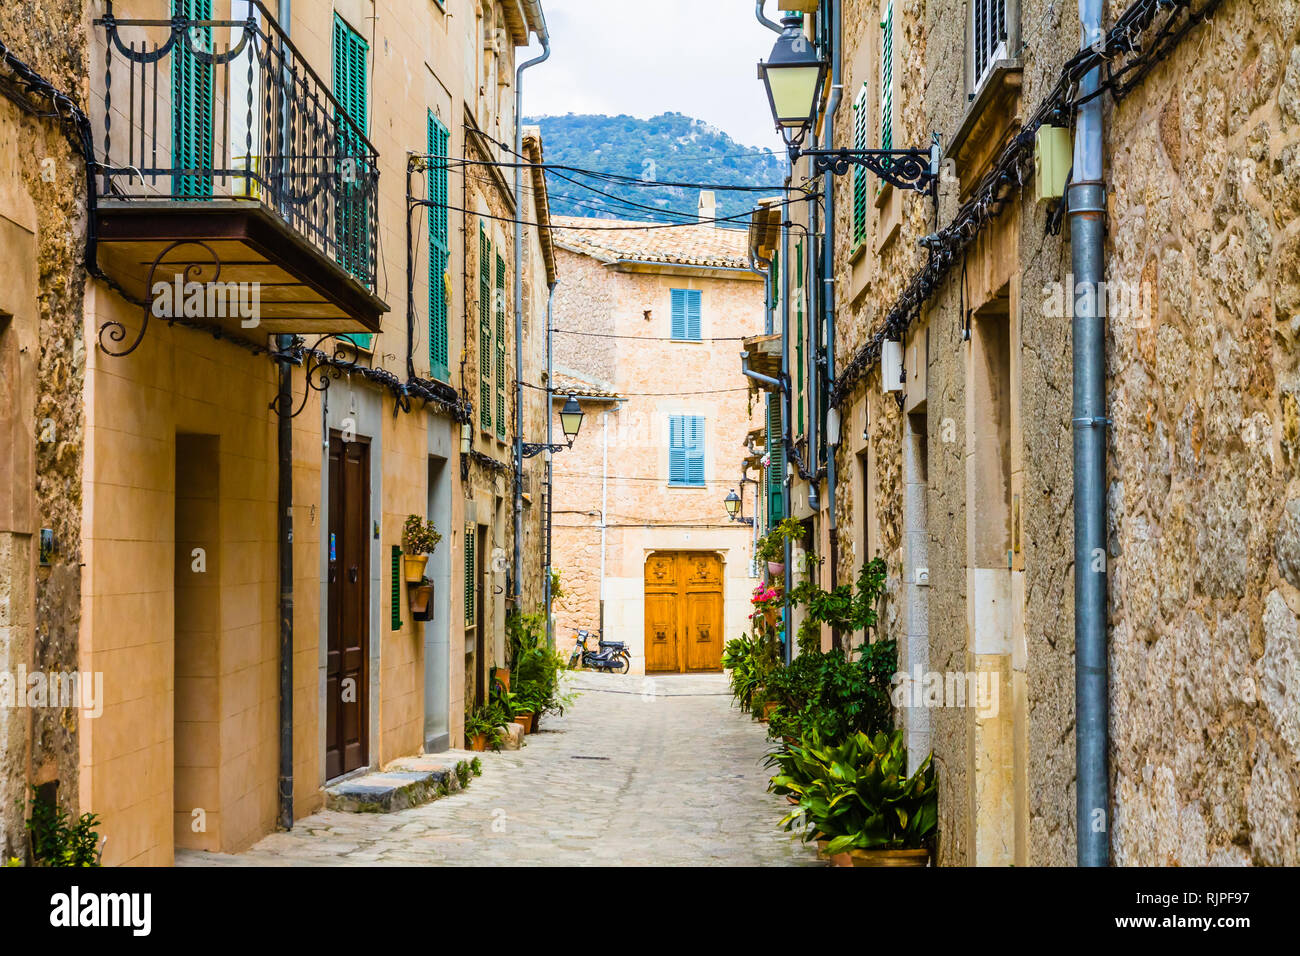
(483, 727)
(858, 797)
(419, 539)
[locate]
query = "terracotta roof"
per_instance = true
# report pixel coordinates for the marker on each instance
(697, 244)
(568, 385)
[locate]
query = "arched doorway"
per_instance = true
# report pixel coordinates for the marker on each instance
(683, 612)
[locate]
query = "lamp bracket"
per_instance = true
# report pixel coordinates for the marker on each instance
(533, 449)
(904, 168)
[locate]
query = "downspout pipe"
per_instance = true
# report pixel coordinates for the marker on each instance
(832, 8)
(787, 426)
(550, 465)
(763, 19)
(284, 511)
(542, 34)
(1087, 204)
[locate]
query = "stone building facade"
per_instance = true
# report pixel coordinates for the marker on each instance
(961, 477)
(639, 356)
(158, 478)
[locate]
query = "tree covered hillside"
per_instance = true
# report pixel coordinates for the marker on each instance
(666, 148)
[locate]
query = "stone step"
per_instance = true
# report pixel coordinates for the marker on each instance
(404, 783)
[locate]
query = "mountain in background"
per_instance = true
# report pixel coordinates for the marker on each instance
(671, 147)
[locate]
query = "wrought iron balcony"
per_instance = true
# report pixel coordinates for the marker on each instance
(217, 141)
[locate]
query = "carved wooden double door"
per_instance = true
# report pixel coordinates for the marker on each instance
(683, 612)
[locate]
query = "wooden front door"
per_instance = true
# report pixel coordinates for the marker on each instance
(683, 612)
(349, 607)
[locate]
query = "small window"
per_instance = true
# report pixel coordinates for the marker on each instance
(686, 315)
(686, 450)
(988, 35)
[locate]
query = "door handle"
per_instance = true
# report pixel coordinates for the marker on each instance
(352, 574)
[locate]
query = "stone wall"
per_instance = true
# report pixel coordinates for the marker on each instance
(1204, 503)
(42, 197)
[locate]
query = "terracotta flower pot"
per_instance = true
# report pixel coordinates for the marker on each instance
(502, 677)
(525, 721)
(889, 857)
(413, 567)
(478, 742)
(768, 707)
(421, 599)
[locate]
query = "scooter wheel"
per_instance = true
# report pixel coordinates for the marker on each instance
(626, 662)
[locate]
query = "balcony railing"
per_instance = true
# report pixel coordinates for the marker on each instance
(196, 111)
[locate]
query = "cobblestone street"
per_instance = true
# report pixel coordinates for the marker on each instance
(622, 779)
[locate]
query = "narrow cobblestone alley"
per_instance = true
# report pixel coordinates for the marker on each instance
(624, 778)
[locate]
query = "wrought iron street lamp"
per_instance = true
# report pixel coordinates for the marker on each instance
(733, 503)
(571, 416)
(794, 76)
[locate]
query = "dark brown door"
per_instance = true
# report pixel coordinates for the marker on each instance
(349, 608)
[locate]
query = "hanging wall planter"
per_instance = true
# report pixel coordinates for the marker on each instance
(421, 599)
(414, 564)
(776, 569)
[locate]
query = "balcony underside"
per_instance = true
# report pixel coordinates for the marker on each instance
(764, 357)
(301, 290)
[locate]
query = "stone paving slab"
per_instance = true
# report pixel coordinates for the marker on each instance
(678, 780)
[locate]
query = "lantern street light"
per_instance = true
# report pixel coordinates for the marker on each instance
(795, 76)
(733, 505)
(571, 416)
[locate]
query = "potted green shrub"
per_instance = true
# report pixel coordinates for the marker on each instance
(419, 539)
(483, 727)
(421, 600)
(858, 798)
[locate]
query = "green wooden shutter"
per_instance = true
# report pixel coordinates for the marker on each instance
(501, 347)
(351, 82)
(861, 182)
(397, 589)
(776, 461)
(887, 80)
(471, 577)
(484, 328)
(192, 105)
(439, 249)
(776, 280)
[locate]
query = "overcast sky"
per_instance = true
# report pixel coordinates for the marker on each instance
(696, 57)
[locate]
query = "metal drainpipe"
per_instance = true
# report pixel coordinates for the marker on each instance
(1087, 197)
(545, 55)
(828, 270)
(604, 509)
(762, 18)
(284, 503)
(550, 464)
(787, 427)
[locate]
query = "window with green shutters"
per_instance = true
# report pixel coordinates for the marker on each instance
(776, 461)
(397, 589)
(192, 104)
(776, 281)
(471, 577)
(686, 450)
(501, 347)
(439, 251)
(351, 89)
(887, 79)
(484, 328)
(861, 179)
(798, 337)
(686, 315)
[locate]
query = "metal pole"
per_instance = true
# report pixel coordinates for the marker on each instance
(517, 564)
(1087, 198)
(604, 512)
(550, 464)
(284, 507)
(828, 277)
(787, 418)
